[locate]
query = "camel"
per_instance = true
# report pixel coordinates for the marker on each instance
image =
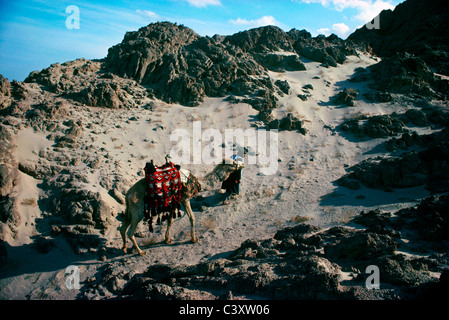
(134, 201)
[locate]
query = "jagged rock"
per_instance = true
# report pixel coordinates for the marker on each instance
(283, 85)
(299, 262)
(66, 77)
(406, 74)
(47, 110)
(71, 136)
(5, 87)
(99, 95)
(347, 96)
(288, 123)
(361, 246)
(141, 51)
(9, 178)
(391, 172)
(19, 90)
(263, 39)
(44, 244)
(373, 218)
(415, 26)
(330, 51)
(427, 167)
(432, 218)
(378, 96)
(280, 62)
(187, 68)
(8, 166)
(296, 232)
(417, 117)
(375, 127)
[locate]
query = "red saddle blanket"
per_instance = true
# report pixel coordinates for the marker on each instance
(163, 189)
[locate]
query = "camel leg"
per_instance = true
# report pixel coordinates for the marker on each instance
(123, 233)
(169, 224)
(131, 231)
(125, 225)
(189, 212)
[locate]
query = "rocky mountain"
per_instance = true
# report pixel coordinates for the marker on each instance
(356, 132)
(418, 27)
(179, 66)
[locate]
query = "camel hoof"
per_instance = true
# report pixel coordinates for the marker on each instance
(195, 240)
(168, 241)
(142, 253)
(124, 250)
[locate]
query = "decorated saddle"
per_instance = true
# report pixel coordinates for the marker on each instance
(163, 192)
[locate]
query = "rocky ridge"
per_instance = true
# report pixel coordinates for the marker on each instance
(415, 26)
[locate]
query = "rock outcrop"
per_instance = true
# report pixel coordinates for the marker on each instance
(418, 27)
(407, 74)
(330, 51)
(305, 262)
(187, 68)
(428, 167)
(9, 178)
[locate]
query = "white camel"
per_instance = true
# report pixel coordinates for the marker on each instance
(134, 199)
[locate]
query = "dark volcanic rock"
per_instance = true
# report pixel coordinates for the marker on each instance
(416, 26)
(361, 246)
(400, 172)
(375, 127)
(347, 96)
(289, 123)
(430, 218)
(140, 51)
(280, 62)
(428, 166)
(181, 67)
(263, 39)
(407, 74)
(299, 262)
(330, 51)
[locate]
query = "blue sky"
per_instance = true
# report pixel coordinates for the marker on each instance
(35, 33)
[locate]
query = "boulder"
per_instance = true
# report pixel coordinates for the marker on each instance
(347, 96)
(361, 246)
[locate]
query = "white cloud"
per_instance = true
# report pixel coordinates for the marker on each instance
(367, 9)
(341, 30)
(264, 21)
(204, 3)
(148, 13)
(325, 31)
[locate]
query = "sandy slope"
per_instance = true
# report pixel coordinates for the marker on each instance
(119, 142)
